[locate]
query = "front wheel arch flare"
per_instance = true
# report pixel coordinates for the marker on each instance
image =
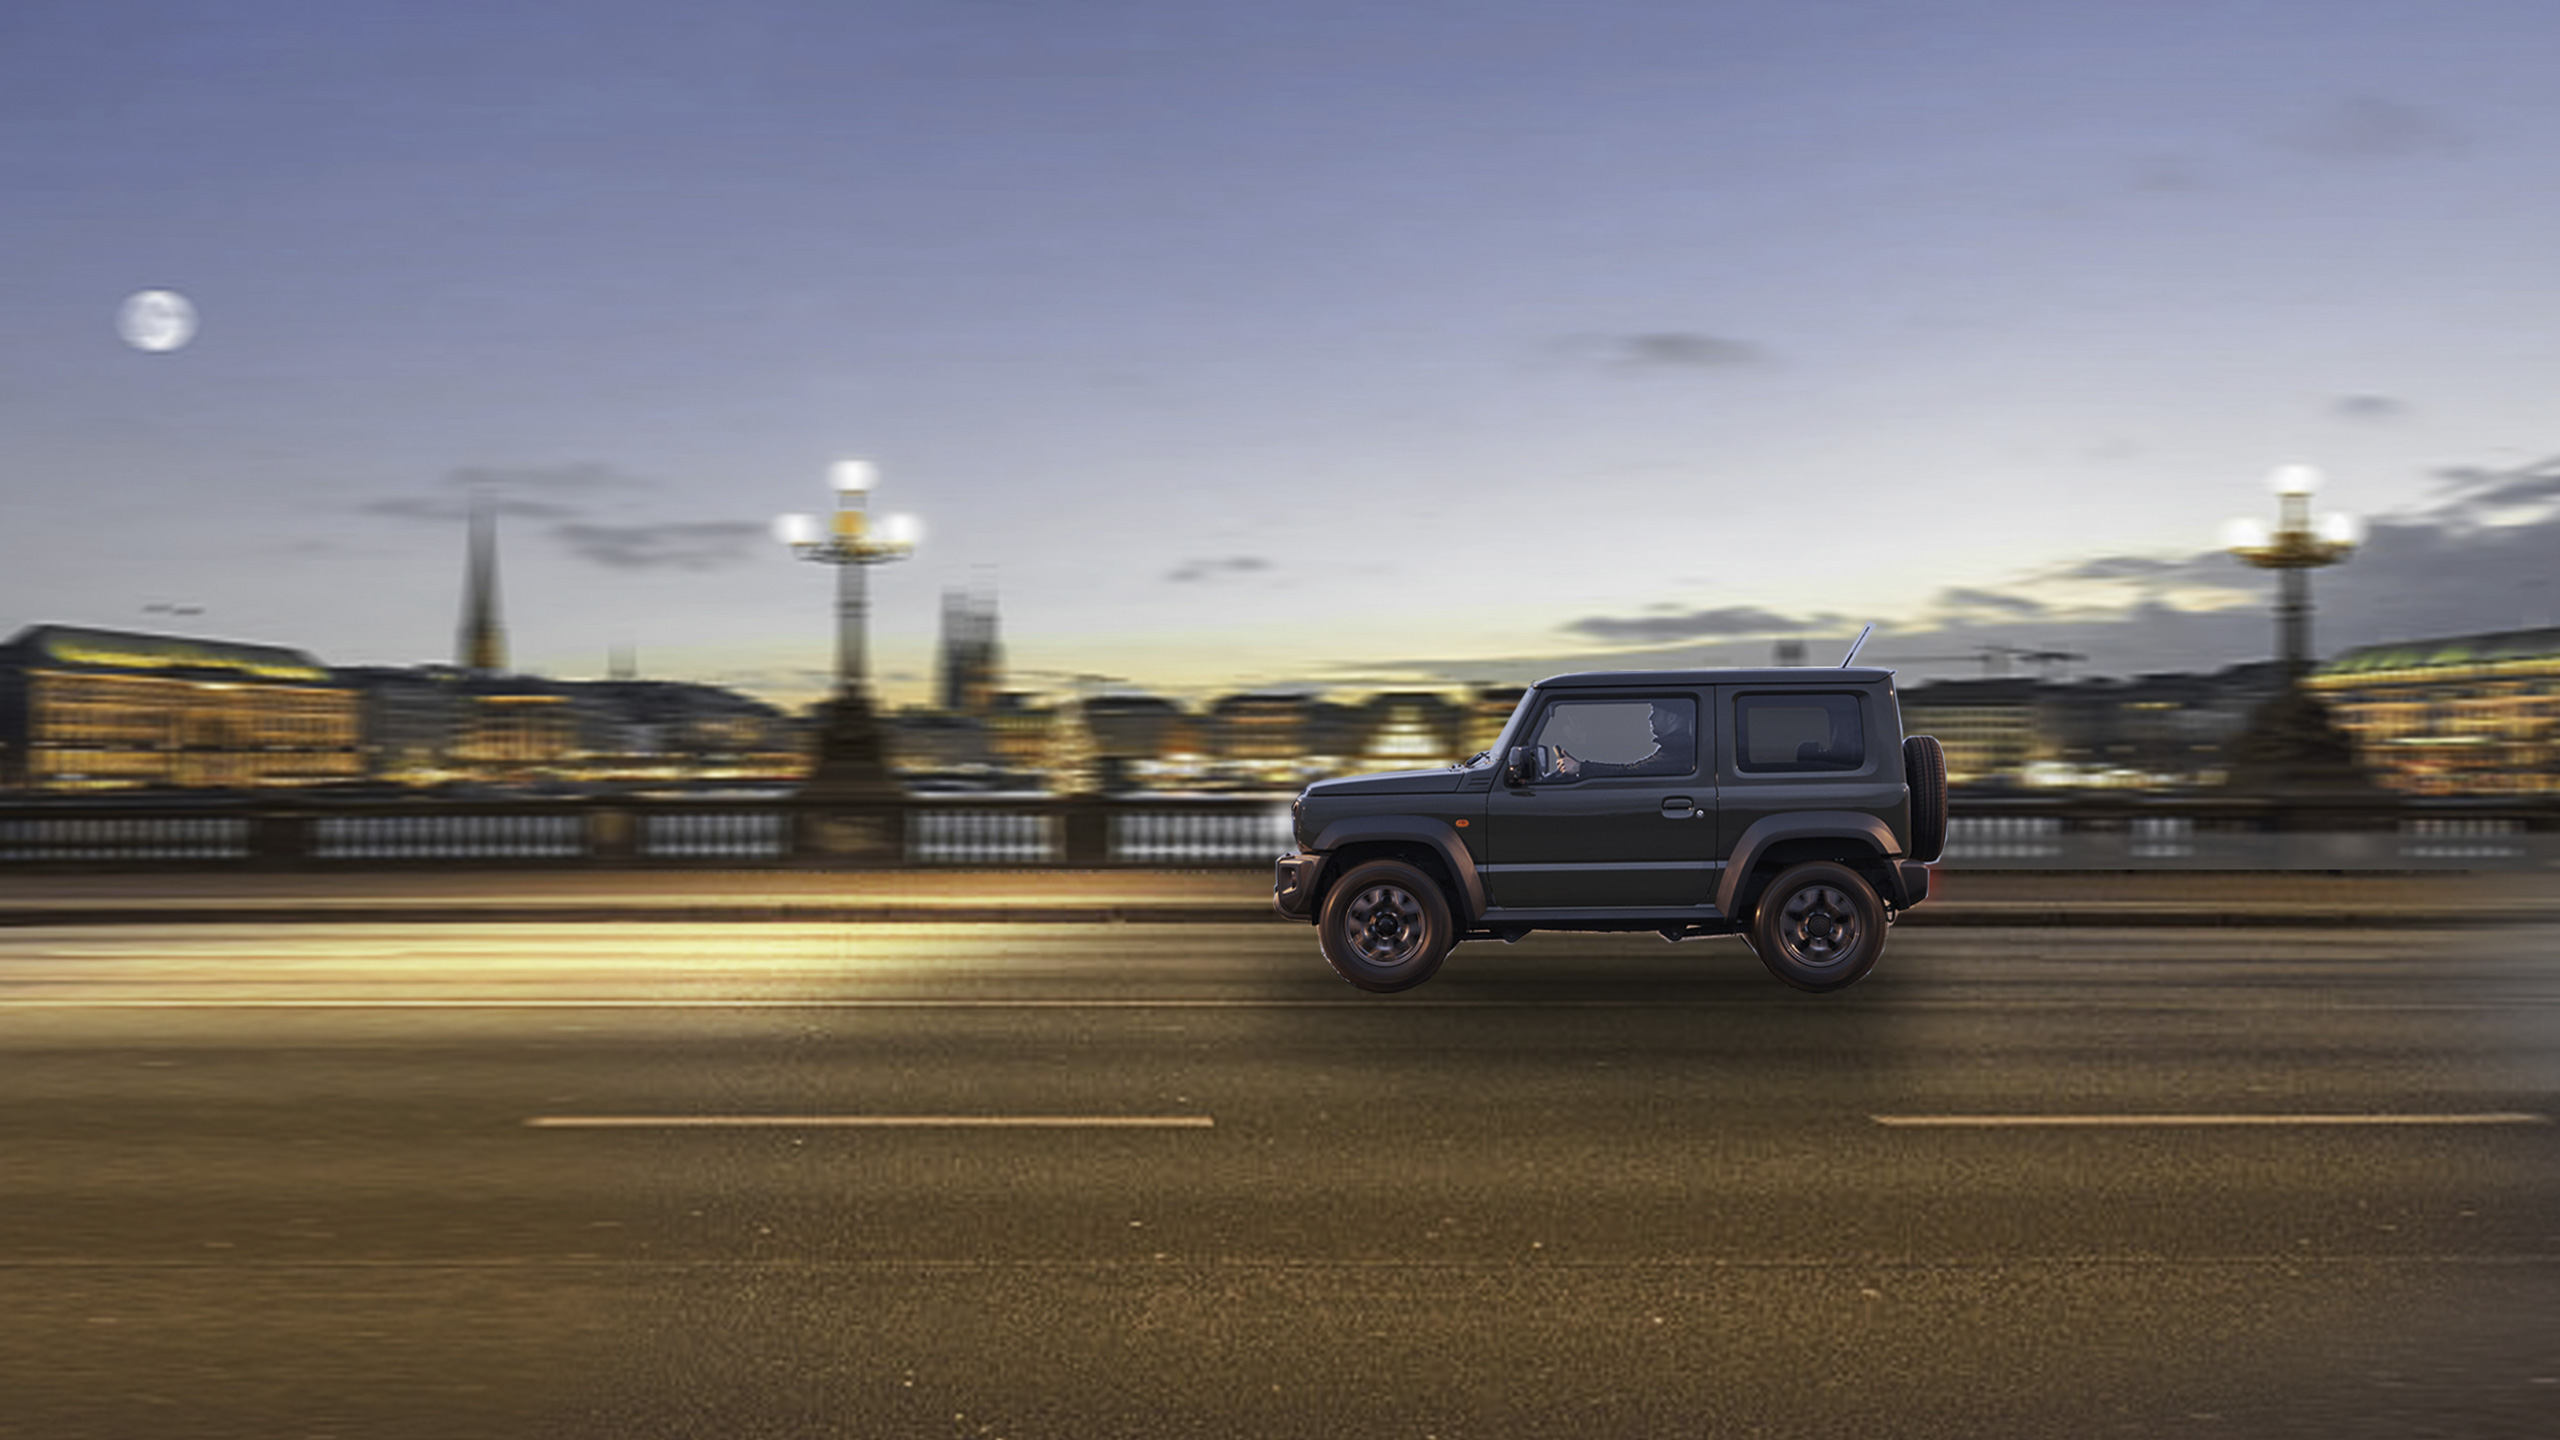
(1434, 847)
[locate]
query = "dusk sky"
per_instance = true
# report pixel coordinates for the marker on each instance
(1307, 342)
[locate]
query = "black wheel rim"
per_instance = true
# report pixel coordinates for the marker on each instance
(1819, 927)
(1385, 925)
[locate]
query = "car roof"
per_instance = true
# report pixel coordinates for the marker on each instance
(1796, 676)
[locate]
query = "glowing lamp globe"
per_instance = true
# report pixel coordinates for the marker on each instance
(2294, 480)
(2244, 534)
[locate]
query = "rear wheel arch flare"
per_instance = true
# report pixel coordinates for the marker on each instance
(1845, 836)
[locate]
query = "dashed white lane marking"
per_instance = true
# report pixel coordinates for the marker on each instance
(871, 1122)
(2019, 1122)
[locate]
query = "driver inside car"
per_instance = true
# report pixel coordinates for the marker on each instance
(1672, 752)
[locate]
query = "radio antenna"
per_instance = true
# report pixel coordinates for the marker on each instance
(1857, 645)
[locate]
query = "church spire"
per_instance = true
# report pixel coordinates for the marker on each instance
(482, 646)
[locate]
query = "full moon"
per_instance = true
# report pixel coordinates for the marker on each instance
(156, 320)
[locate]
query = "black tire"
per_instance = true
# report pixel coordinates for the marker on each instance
(1819, 926)
(1924, 769)
(1385, 926)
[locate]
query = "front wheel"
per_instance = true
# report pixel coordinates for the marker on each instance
(1819, 926)
(1385, 926)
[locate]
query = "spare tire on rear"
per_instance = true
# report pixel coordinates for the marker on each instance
(1924, 769)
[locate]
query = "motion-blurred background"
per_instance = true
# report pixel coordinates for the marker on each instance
(402, 402)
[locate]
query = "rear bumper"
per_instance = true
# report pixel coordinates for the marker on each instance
(1293, 886)
(1910, 884)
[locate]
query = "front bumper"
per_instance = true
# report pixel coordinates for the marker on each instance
(1293, 886)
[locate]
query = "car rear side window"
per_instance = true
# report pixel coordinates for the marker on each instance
(1797, 734)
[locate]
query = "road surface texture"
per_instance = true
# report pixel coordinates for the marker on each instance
(546, 893)
(775, 1179)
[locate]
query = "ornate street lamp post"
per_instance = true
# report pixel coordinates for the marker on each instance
(2290, 747)
(851, 545)
(2297, 546)
(851, 760)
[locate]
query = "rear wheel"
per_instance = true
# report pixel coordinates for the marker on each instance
(1385, 926)
(1819, 926)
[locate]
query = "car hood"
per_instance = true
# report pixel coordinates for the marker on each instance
(1392, 782)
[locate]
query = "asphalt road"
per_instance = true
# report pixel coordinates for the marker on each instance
(1165, 1180)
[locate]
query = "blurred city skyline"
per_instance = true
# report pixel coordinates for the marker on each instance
(1238, 349)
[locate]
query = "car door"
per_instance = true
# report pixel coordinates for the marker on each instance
(1621, 814)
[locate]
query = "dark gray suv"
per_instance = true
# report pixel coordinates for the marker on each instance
(1783, 805)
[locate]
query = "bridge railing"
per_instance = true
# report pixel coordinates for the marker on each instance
(1987, 832)
(925, 830)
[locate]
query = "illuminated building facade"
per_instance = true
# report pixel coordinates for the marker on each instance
(2160, 730)
(2165, 729)
(1413, 730)
(1142, 727)
(516, 729)
(100, 709)
(436, 725)
(2468, 715)
(936, 743)
(658, 729)
(1990, 729)
(1264, 728)
(1487, 711)
(1018, 731)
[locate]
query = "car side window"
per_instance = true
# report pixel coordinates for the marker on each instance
(1595, 739)
(1797, 734)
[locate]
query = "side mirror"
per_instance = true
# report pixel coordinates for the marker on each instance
(1523, 767)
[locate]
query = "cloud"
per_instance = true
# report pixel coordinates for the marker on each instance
(1192, 572)
(529, 492)
(2368, 127)
(582, 478)
(2439, 571)
(1958, 597)
(679, 545)
(451, 509)
(1665, 350)
(587, 507)
(2155, 568)
(2482, 496)
(2368, 407)
(1721, 623)
(2478, 559)
(2171, 174)
(1684, 350)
